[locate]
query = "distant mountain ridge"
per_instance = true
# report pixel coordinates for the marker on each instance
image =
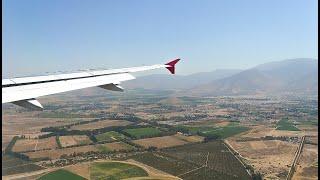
(177, 82)
(288, 76)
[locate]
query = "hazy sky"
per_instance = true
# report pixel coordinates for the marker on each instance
(51, 35)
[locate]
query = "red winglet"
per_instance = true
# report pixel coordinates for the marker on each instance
(172, 64)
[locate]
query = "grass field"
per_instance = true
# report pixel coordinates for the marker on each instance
(309, 123)
(143, 132)
(285, 124)
(225, 132)
(160, 142)
(61, 175)
(115, 170)
(13, 165)
(220, 132)
(110, 136)
(114, 146)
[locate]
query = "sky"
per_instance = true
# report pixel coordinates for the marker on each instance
(57, 35)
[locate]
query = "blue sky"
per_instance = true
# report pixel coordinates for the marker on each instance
(50, 35)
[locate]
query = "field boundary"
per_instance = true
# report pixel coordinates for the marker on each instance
(296, 159)
(232, 151)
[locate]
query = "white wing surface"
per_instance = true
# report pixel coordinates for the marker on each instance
(24, 91)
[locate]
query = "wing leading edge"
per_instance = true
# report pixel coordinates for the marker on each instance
(24, 91)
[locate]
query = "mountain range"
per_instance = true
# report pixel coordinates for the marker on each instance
(288, 76)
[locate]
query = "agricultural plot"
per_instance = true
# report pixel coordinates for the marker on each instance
(12, 165)
(160, 142)
(285, 124)
(142, 132)
(81, 169)
(191, 139)
(218, 132)
(167, 164)
(110, 136)
(56, 153)
(224, 132)
(115, 146)
(214, 154)
(272, 158)
(100, 124)
(23, 145)
(180, 167)
(207, 173)
(308, 163)
(67, 141)
(115, 170)
(61, 174)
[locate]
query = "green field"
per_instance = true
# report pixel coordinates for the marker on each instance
(143, 132)
(285, 124)
(103, 148)
(61, 174)
(224, 132)
(12, 165)
(309, 123)
(110, 136)
(218, 132)
(115, 170)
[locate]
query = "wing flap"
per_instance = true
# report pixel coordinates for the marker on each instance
(31, 104)
(112, 87)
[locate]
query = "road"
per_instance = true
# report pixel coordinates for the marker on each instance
(296, 158)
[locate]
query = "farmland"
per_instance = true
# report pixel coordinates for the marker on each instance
(55, 154)
(100, 124)
(308, 163)
(191, 139)
(115, 170)
(143, 132)
(28, 124)
(187, 132)
(218, 132)
(267, 156)
(215, 154)
(110, 136)
(114, 146)
(61, 175)
(67, 141)
(285, 124)
(13, 165)
(192, 160)
(164, 163)
(34, 144)
(161, 142)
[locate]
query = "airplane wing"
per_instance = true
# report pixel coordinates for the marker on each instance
(24, 91)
